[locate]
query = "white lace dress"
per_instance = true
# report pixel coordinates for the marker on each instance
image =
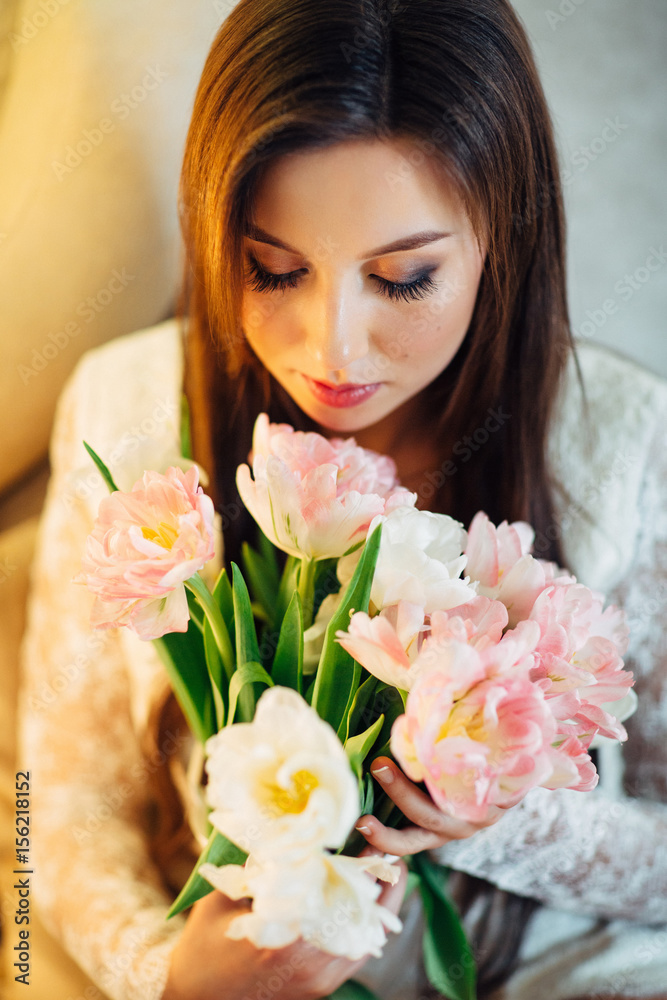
(598, 862)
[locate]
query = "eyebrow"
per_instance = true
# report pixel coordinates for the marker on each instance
(404, 243)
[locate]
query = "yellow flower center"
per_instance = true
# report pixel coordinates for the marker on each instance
(165, 535)
(470, 725)
(295, 798)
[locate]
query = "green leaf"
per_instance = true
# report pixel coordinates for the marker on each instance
(186, 440)
(183, 656)
(215, 628)
(287, 669)
(219, 851)
(390, 703)
(359, 714)
(352, 990)
(358, 747)
(368, 795)
(354, 687)
(308, 693)
(106, 475)
(268, 553)
(216, 673)
(247, 647)
(448, 958)
(222, 593)
(326, 581)
(306, 588)
(287, 587)
(262, 588)
(219, 672)
(195, 609)
(249, 673)
(413, 882)
(338, 674)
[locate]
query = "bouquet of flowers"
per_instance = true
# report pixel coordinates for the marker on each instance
(482, 670)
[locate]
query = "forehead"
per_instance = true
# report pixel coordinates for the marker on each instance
(357, 193)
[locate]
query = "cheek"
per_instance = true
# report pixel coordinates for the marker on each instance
(268, 325)
(257, 312)
(441, 322)
(436, 330)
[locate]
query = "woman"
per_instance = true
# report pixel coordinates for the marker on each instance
(375, 246)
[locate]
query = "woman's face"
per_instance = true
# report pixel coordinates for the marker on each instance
(362, 272)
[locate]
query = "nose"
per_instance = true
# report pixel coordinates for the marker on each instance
(336, 333)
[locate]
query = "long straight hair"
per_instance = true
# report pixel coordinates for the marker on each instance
(456, 77)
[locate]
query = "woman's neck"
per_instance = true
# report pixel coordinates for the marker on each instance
(408, 439)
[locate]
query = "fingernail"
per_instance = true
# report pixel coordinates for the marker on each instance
(363, 829)
(383, 773)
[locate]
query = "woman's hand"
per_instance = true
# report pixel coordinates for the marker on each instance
(432, 828)
(207, 965)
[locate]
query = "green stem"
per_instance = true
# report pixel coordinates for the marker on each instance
(197, 586)
(306, 588)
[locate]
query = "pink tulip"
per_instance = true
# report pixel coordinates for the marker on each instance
(313, 497)
(480, 620)
(488, 747)
(388, 644)
(573, 767)
(581, 645)
(399, 642)
(499, 558)
(142, 548)
(479, 729)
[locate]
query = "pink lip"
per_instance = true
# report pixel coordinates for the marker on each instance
(341, 396)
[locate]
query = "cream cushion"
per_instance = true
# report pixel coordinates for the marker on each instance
(94, 110)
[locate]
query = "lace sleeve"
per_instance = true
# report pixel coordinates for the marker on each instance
(94, 882)
(590, 852)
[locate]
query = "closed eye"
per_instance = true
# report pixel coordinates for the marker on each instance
(261, 280)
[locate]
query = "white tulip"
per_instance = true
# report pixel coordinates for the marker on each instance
(281, 784)
(326, 899)
(420, 561)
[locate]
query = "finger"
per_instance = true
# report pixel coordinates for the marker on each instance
(392, 895)
(415, 804)
(408, 840)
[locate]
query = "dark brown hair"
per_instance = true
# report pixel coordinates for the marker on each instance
(456, 77)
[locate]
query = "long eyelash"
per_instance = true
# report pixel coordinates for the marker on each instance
(265, 281)
(417, 289)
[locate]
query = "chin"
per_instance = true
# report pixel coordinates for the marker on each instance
(341, 421)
